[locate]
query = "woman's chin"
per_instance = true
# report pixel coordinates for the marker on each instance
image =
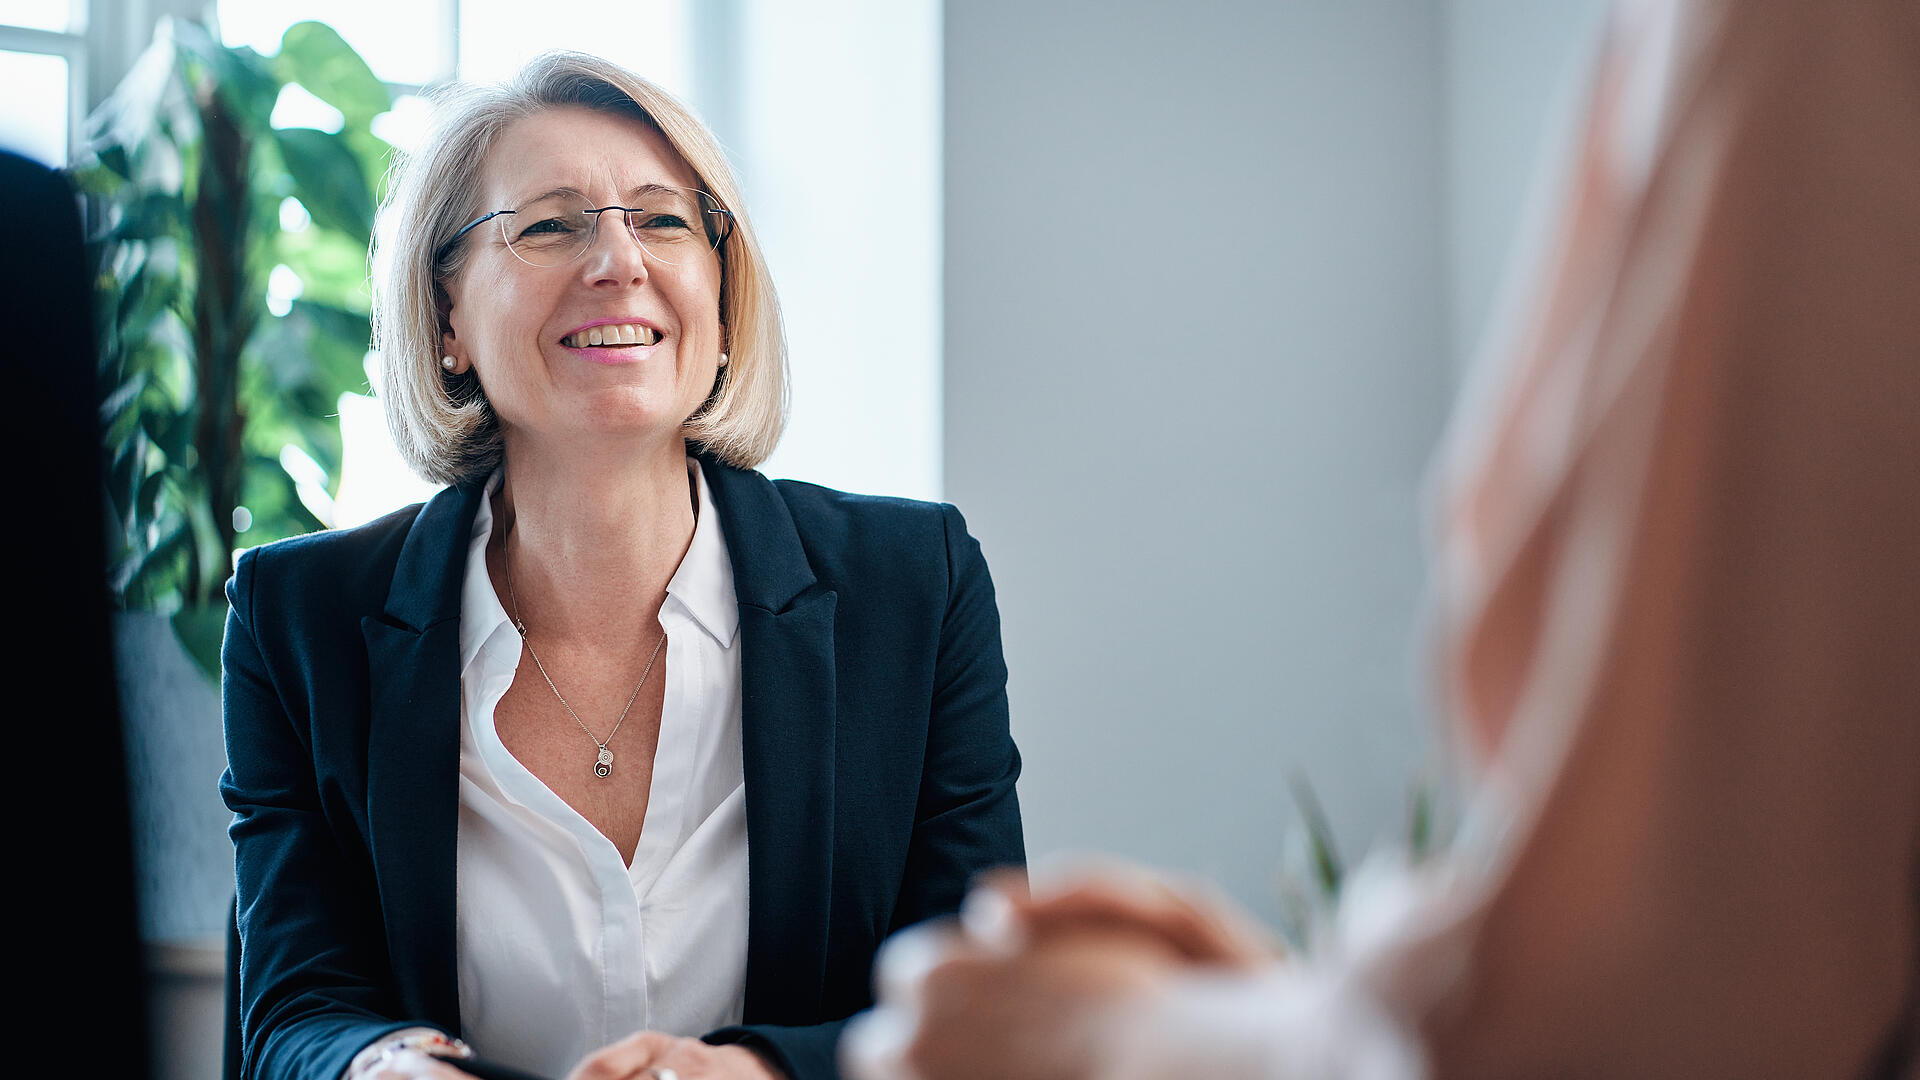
(629, 416)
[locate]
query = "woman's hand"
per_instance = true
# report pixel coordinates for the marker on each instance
(413, 1065)
(409, 1054)
(651, 1055)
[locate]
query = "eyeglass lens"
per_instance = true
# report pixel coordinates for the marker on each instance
(672, 224)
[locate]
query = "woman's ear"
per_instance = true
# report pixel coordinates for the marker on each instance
(452, 361)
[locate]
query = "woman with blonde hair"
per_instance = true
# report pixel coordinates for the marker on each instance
(614, 756)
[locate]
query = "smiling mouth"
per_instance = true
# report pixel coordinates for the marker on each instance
(612, 336)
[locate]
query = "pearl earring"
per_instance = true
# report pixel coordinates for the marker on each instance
(723, 359)
(448, 362)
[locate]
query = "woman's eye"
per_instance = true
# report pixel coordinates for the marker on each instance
(547, 227)
(665, 221)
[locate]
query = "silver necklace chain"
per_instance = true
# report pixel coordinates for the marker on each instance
(603, 764)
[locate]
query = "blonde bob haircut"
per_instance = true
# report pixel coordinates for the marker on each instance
(443, 424)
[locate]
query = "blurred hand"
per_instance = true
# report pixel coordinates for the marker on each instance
(1036, 988)
(688, 1059)
(1188, 919)
(953, 1010)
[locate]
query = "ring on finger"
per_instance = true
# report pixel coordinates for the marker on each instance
(658, 1073)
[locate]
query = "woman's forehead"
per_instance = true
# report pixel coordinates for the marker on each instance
(573, 148)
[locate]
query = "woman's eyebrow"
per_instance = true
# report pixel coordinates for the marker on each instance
(634, 194)
(549, 193)
(645, 190)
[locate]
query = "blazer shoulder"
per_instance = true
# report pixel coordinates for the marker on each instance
(356, 562)
(827, 512)
(847, 533)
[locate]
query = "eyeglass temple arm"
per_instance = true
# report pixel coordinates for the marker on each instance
(464, 230)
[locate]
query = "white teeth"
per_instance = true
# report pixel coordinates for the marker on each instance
(623, 334)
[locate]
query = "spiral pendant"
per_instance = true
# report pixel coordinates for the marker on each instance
(603, 768)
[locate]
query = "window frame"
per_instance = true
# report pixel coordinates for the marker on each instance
(70, 45)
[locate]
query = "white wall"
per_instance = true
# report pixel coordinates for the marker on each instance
(1514, 68)
(1195, 362)
(831, 109)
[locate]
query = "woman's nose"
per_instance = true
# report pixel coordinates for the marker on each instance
(614, 253)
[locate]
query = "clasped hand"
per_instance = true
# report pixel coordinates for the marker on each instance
(1034, 987)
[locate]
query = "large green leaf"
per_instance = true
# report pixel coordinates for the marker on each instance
(150, 215)
(125, 470)
(341, 339)
(167, 428)
(145, 303)
(313, 348)
(314, 55)
(274, 501)
(243, 82)
(376, 157)
(114, 161)
(116, 405)
(328, 181)
(331, 264)
(140, 579)
(149, 509)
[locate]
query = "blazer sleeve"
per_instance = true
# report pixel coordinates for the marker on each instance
(967, 819)
(314, 980)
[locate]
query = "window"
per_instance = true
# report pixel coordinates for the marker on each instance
(42, 76)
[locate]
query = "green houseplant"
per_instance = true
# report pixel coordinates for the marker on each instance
(1309, 893)
(194, 201)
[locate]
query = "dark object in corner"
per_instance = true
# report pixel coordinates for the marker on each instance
(73, 863)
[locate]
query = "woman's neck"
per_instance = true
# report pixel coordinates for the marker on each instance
(591, 544)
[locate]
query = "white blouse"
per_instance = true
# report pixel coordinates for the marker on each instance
(563, 948)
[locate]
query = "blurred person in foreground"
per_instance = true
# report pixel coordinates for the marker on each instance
(614, 756)
(1678, 614)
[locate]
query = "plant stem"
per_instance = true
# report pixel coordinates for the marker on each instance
(223, 320)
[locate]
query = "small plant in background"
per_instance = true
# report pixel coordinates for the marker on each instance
(1309, 896)
(231, 266)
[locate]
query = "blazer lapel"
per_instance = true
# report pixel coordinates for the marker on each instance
(787, 731)
(413, 753)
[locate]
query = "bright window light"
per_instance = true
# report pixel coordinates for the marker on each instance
(404, 125)
(58, 16)
(647, 36)
(401, 40)
(34, 123)
(296, 107)
(374, 479)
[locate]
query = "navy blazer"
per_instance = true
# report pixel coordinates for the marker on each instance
(878, 765)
